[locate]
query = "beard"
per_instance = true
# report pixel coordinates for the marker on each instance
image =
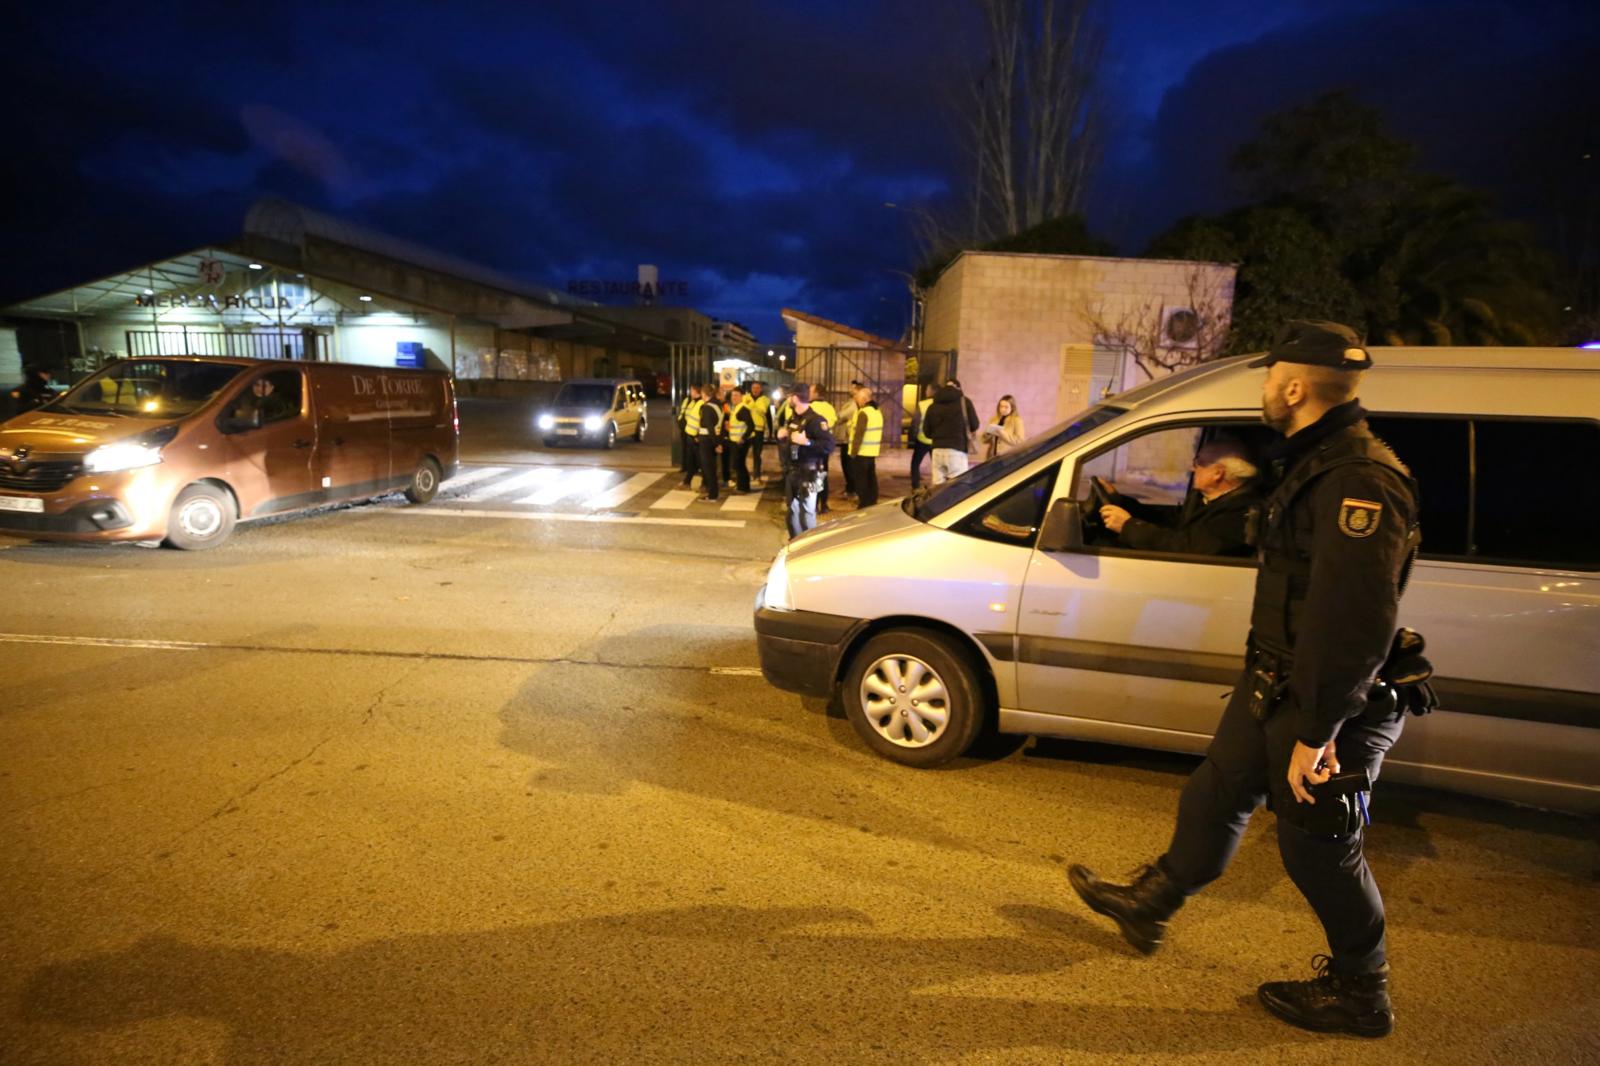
(1276, 413)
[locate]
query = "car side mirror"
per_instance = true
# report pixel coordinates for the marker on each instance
(239, 423)
(1063, 527)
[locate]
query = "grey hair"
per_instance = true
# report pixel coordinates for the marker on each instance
(1236, 468)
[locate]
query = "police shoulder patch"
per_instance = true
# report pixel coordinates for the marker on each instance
(1359, 518)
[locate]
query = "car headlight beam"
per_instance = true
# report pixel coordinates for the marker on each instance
(593, 423)
(547, 422)
(110, 458)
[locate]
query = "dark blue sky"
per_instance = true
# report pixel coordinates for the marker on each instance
(746, 148)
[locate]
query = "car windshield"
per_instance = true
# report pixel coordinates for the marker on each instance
(930, 503)
(148, 388)
(585, 396)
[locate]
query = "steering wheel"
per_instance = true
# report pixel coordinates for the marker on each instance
(1094, 527)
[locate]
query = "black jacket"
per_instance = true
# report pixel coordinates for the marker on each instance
(950, 421)
(1199, 528)
(1336, 537)
(821, 439)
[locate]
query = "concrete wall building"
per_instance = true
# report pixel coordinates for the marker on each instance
(1026, 325)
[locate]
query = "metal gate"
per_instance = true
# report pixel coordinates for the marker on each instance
(893, 374)
(263, 344)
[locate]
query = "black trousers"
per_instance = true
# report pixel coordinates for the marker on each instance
(710, 484)
(865, 479)
(757, 444)
(919, 452)
(727, 460)
(741, 473)
(1248, 763)
(691, 457)
(847, 467)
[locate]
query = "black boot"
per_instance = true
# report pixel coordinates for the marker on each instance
(1140, 909)
(1333, 1003)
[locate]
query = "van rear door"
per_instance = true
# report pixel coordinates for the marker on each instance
(353, 432)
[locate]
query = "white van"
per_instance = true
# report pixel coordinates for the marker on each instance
(938, 616)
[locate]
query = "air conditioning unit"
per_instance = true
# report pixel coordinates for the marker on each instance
(1180, 327)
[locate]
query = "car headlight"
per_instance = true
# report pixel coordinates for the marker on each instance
(109, 458)
(777, 595)
(547, 422)
(593, 423)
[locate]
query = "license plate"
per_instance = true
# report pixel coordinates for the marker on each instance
(21, 503)
(567, 432)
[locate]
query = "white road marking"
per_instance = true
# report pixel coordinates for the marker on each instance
(562, 516)
(102, 642)
(471, 477)
(575, 483)
(737, 671)
(617, 495)
(498, 490)
(676, 500)
(743, 503)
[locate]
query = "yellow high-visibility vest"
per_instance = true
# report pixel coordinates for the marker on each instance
(825, 409)
(684, 407)
(922, 421)
(872, 439)
(736, 425)
(760, 408)
(693, 424)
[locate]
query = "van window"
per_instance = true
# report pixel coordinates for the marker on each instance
(1015, 517)
(959, 488)
(1549, 468)
(1477, 478)
(1151, 475)
(595, 396)
(1153, 468)
(1438, 452)
(149, 388)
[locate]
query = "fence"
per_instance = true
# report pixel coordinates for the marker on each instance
(263, 344)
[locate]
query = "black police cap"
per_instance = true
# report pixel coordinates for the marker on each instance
(1313, 343)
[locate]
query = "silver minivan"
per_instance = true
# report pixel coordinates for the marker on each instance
(594, 411)
(993, 601)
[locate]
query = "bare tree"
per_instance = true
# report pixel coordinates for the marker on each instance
(1163, 338)
(1032, 116)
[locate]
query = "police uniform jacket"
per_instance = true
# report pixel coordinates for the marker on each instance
(1199, 528)
(1337, 535)
(820, 437)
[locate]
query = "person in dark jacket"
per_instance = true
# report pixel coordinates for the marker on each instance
(950, 422)
(33, 392)
(704, 423)
(1213, 517)
(809, 441)
(1336, 542)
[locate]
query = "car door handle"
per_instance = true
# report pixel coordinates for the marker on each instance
(302, 443)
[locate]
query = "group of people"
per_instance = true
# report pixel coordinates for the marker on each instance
(945, 429)
(725, 432)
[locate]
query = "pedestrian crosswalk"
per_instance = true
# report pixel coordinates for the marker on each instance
(591, 490)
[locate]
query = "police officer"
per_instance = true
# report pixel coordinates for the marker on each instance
(1336, 538)
(820, 404)
(809, 440)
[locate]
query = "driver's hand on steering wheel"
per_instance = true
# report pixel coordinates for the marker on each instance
(1114, 517)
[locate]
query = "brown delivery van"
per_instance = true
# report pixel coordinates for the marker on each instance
(178, 449)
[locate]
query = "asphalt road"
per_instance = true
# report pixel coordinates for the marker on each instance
(481, 784)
